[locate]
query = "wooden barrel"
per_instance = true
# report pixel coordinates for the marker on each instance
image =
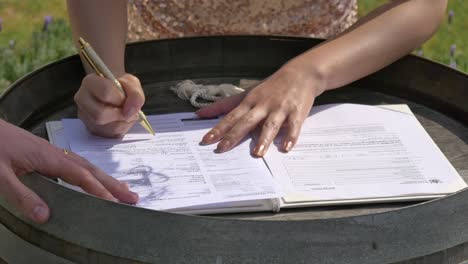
(83, 229)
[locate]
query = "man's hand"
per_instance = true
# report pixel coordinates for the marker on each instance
(22, 153)
(104, 109)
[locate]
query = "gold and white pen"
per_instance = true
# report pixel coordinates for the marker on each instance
(101, 69)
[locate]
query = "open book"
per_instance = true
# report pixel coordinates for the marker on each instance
(346, 154)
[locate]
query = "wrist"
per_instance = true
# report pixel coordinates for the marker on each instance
(313, 75)
(117, 74)
(117, 69)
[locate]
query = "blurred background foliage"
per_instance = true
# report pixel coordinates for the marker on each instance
(36, 32)
(33, 33)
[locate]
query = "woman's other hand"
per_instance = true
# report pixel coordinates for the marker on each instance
(283, 99)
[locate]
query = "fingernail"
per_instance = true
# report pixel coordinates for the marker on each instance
(223, 146)
(40, 213)
(207, 138)
(259, 150)
(110, 197)
(135, 196)
(130, 112)
(125, 185)
(134, 118)
(288, 146)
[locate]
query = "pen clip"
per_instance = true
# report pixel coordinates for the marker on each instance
(90, 62)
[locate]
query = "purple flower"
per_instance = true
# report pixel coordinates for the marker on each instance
(420, 53)
(451, 14)
(453, 48)
(453, 63)
(47, 21)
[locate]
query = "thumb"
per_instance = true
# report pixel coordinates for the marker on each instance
(135, 95)
(221, 107)
(22, 198)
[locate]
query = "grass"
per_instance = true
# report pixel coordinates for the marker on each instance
(22, 17)
(23, 22)
(438, 47)
(31, 46)
(44, 47)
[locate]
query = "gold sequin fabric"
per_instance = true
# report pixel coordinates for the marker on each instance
(156, 19)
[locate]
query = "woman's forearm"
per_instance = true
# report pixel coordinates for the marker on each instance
(103, 24)
(105, 112)
(376, 40)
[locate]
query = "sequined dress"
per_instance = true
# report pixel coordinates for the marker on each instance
(155, 19)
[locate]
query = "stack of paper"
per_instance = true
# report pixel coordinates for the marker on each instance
(346, 153)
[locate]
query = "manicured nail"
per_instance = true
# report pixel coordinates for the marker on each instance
(208, 138)
(259, 150)
(134, 118)
(125, 185)
(288, 146)
(130, 113)
(223, 146)
(110, 197)
(40, 213)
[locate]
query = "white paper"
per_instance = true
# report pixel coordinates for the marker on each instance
(350, 151)
(171, 170)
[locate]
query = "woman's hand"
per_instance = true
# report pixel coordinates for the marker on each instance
(22, 153)
(104, 109)
(285, 98)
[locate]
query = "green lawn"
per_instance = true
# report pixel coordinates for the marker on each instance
(23, 21)
(22, 17)
(24, 46)
(438, 47)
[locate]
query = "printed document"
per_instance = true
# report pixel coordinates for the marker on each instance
(350, 151)
(346, 153)
(172, 169)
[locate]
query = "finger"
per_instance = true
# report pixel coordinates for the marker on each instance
(98, 112)
(54, 163)
(119, 190)
(295, 121)
(112, 130)
(135, 95)
(215, 134)
(23, 198)
(103, 90)
(270, 129)
(221, 107)
(241, 128)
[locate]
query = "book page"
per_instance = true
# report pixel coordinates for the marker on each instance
(350, 151)
(171, 170)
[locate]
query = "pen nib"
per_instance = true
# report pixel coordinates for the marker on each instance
(145, 124)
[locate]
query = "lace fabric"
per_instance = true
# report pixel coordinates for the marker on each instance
(156, 19)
